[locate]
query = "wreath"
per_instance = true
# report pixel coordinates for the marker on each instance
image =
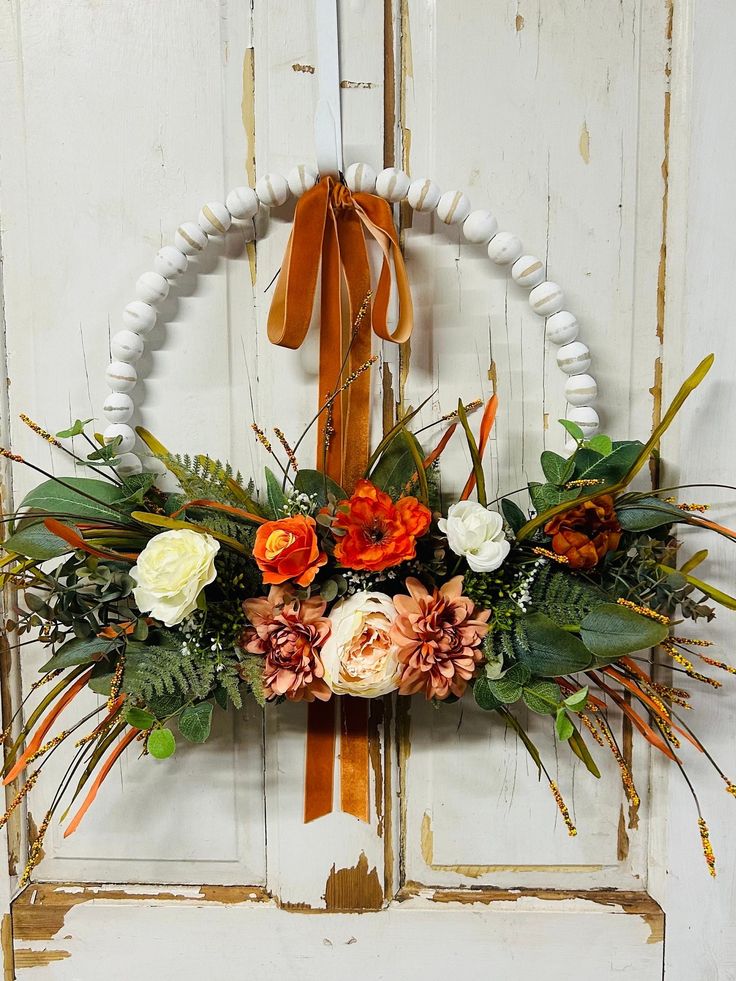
(352, 579)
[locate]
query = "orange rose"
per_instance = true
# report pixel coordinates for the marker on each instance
(378, 534)
(585, 532)
(288, 549)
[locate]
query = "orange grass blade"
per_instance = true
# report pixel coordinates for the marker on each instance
(486, 425)
(76, 541)
(216, 506)
(46, 724)
(104, 770)
(646, 730)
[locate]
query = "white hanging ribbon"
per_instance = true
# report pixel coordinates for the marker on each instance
(327, 119)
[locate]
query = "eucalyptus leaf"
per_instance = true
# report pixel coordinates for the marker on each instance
(513, 514)
(195, 722)
(75, 430)
(563, 726)
(577, 745)
(601, 444)
(556, 468)
(611, 631)
(139, 718)
(509, 687)
(161, 744)
(542, 697)
(576, 701)
(484, 695)
(573, 429)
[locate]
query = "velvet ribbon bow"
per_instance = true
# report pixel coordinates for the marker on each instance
(328, 245)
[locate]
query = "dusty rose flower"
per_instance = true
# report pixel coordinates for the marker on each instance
(438, 636)
(289, 633)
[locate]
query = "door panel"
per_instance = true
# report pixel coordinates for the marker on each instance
(121, 121)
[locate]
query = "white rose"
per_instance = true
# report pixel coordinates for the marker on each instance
(359, 657)
(172, 571)
(476, 533)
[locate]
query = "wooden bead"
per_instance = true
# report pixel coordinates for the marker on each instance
(140, 317)
(190, 238)
(170, 262)
(504, 248)
(151, 287)
(546, 299)
(392, 184)
(453, 207)
(562, 327)
(128, 465)
(118, 407)
(301, 179)
(423, 195)
(528, 271)
(127, 346)
(587, 418)
(581, 389)
(361, 177)
(272, 190)
(214, 218)
(242, 203)
(574, 358)
(480, 226)
(121, 376)
(126, 435)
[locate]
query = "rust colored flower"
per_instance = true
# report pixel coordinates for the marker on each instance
(289, 634)
(585, 533)
(288, 550)
(378, 533)
(439, 637)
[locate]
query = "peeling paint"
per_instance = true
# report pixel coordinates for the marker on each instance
(346, 84)
(622, 842)
(584, 143)
(25, 957)
(6, 938)
(519, 23)
(353, 889)
(305, 69)
(248, 116)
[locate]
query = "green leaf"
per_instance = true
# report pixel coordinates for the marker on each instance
(135, 657)
(166, 705)
(78, 651)
(195, 722)
(546, 496)
(556, 468)
(542, 697)
(646, 513)
(576, 701)
(328, 592)
(573, 429)
(611, 631)
(318, 485)
(712, 591)
(601, 444)
(60, 499)
(563, 726)
(480, 480)
(161, 744)
(612, 467)
(577, 745)
(35, 541)
(76, 430)
(484, 696)
(138, 718)
(396, 466)
(276, 497)
(552, 650)
(509, 687)
(513, 514)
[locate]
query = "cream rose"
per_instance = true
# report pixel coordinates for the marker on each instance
(477, 534)
(359, 656)
(171, 572)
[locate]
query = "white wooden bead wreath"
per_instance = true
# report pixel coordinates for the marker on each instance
(273, 190)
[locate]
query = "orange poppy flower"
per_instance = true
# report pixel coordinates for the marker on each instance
(378, 534)
(288, 550)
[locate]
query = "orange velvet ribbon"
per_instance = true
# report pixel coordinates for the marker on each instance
(328, 246)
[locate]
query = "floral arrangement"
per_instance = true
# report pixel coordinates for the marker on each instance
(168, 603)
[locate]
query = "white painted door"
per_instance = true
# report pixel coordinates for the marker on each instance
(118, 121)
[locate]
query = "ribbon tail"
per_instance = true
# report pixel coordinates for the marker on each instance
(320, 763)
(354, 757)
